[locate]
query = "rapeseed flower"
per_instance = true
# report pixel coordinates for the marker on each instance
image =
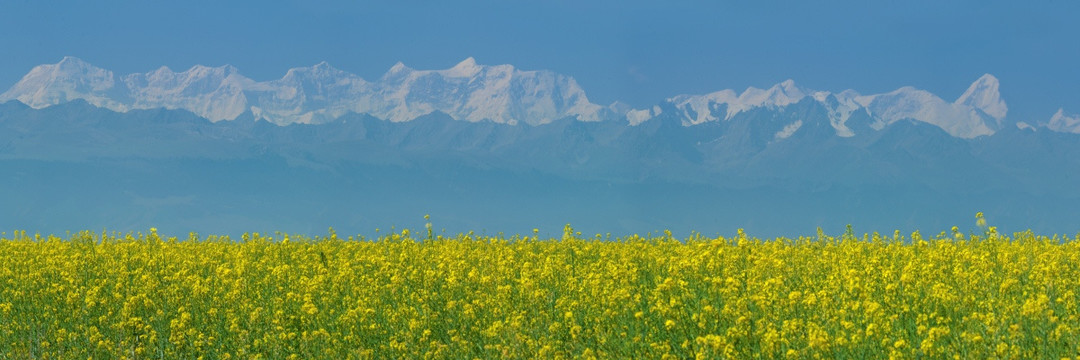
(468, 296)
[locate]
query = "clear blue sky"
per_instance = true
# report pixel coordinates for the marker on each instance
(639, 52)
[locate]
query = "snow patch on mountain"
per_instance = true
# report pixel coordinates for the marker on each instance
(635, 117)
(788, 130)
(1064, 122)
(725, 104)
(840, 107)
(697, 109)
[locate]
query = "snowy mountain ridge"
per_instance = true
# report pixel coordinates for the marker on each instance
(472, 92)
(317, 94)
(979, 111)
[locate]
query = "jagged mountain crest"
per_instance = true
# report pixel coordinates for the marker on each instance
(215, 93)
(308, 95)
(978, 112)
(983, 94)
(465, 68)
(698, 109)
(320, 93)
(473, 92)
(921, 105)
(67, 80)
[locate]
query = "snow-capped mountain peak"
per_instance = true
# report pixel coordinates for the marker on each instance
(322, 70)
(398, 68)
(70, 79)
(784, 93)
(788, 87)
(72, 63)
(465, 68)
(983, 95)
(203, 70)
(161, 71)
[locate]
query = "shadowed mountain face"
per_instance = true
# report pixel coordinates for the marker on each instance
(772, 171)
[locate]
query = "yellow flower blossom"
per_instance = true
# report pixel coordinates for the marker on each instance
(264, 296)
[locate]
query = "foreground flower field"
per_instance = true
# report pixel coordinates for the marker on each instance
(404, 295)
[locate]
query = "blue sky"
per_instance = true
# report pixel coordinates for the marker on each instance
(639, 52)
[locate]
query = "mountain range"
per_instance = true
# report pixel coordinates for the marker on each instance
(317, 94)
(472, 92)
(494, 147)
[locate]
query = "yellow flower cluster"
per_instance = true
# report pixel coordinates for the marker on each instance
(275, 296)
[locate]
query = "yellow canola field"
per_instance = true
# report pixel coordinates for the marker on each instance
(406, 296)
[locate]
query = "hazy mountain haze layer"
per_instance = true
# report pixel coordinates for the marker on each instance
(498, 149)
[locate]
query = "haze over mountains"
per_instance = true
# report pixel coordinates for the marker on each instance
(498, 148)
